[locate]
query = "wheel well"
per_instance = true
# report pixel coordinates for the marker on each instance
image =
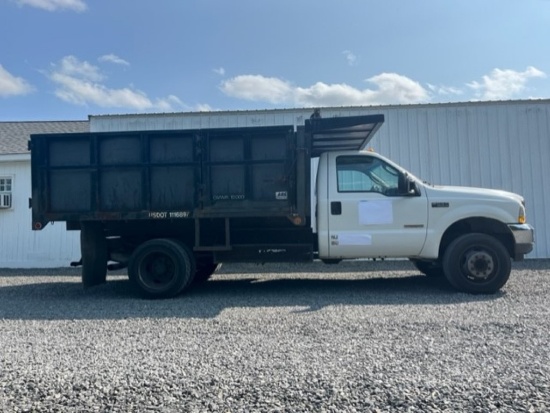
(480, 225)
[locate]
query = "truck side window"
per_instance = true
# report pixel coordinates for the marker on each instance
(366, 174)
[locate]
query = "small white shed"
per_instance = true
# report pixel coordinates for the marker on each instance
(20, 247)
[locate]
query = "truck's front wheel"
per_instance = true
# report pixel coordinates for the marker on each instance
(477, 263)
(161, 268)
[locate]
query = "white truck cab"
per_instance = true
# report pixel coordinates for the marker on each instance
(370, 207)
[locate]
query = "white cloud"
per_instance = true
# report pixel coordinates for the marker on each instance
(321, 94)
(445, 90)
(395, 88)
(350, 57)
(219, 71)
(168, 104)
(204, 107)
(53, 5)
(80, 82)
(113, 58)
(504, 84)
(391, 88)
(258, 87)
(387, 88)
(11, 85)
(72, 66)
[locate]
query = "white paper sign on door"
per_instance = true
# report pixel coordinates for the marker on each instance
(378, 212)
(354, 239)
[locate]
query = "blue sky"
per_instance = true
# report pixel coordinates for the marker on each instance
(67, 59)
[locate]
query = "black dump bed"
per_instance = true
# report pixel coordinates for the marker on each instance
(207, 173)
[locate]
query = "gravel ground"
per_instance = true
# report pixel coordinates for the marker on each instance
(353, 337)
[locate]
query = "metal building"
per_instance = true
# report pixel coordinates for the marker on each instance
(487, 144)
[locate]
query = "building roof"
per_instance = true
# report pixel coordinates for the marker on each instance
(309, 109)
(15, 135)
(279, 117)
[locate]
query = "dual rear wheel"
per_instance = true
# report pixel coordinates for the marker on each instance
(161, 268)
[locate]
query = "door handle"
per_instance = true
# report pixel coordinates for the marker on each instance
(336, 208)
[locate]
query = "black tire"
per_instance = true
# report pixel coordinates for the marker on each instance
(429, 268)
(161, 268)
(477, 263)
(93, 247)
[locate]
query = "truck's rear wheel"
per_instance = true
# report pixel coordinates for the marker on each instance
(477, 263)
(161, 268)
(93, 248)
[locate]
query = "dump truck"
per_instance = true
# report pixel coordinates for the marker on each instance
(171, 206)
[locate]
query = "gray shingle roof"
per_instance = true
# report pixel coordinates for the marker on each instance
(15, 135)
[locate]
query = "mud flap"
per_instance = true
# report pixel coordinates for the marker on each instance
(93, 247)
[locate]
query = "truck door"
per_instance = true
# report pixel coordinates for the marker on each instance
(367, 215)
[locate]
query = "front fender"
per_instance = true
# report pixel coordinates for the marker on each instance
(440, 219)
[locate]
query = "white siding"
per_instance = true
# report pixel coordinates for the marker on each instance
(20, 247)
(502, 145)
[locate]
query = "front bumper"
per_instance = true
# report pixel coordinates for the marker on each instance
(524, 237)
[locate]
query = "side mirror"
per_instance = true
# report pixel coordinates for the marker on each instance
(407, 186)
